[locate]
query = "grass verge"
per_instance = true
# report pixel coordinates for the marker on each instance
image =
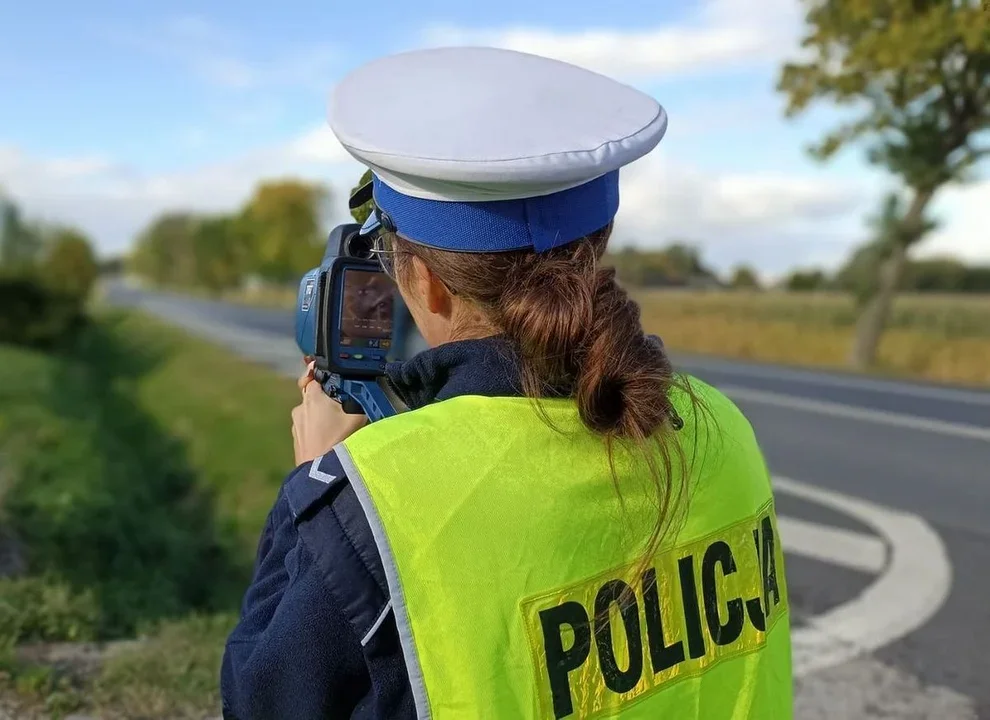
(136, 469)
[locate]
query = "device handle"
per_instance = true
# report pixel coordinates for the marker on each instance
(351, 406)
(368, 395)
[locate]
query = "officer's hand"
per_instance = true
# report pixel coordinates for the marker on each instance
(319, 423)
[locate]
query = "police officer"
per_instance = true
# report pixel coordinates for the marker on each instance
(561, 526)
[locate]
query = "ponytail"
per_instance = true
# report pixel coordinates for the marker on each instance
(578, 334)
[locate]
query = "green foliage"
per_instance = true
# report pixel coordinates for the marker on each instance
(20, 243)
(744, 278)
(860, 273)
(283, 219)
(943, 275)
(917, 73)
(36, 316)
(140, 468)
(276, 236)
(39, 685)
(677, 264)
(137, 474)
(69, 265)
(163, 252)
(916, 70)
(361, 213)
(220, 249)
(44, 609)
(806, 281)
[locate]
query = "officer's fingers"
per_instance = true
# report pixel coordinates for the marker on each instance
(312, 392)
(307, 377)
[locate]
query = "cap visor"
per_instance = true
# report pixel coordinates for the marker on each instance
(360, 196)
(371, 224)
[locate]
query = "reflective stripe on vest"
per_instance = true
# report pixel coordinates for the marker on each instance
(512, 563)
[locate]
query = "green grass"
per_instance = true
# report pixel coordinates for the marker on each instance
(172, 674)
(136, 470)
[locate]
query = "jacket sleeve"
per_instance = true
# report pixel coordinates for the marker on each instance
(293, 652)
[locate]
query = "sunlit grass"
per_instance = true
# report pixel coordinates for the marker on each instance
(941, 338)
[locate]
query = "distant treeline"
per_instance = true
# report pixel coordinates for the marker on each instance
(278, 235)
(275, 237)
(681, 265)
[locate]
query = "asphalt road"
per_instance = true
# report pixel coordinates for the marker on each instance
(918, 453)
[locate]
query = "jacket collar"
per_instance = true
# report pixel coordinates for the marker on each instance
(486, 366)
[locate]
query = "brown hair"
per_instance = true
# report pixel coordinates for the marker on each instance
(576, 329)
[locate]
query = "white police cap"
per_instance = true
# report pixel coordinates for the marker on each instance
(485, 150)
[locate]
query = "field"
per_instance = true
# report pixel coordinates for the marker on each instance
(136, 470)
(941, 338)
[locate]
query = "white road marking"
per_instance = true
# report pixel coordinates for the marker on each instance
(976, 397)
(911, 590)
(822, 407)
(867, 689)
(836, 546)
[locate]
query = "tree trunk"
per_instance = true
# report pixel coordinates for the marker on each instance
(873, 319)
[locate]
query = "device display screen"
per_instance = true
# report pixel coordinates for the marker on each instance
(366, 313)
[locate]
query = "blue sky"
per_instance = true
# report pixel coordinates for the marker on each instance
(114, 111)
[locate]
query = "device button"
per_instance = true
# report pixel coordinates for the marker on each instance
(358, 356)
(344, 356)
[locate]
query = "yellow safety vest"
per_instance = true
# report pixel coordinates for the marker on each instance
(510, 556)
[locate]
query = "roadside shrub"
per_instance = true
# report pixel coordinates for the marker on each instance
(36, 316)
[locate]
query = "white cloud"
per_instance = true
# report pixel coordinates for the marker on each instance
(733, 215)
(317, 145)
(721, 35)
(220, 58)
(771, 220)
(113, 201)
(965, 231)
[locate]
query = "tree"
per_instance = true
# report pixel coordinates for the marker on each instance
(284, 220)
(220, 248)
(361, 213)
(859, 275)
(806, 281)
(164, 253)
(70, 265)
(683, 262)
(744, 278)
(20, 243)
(920, 72)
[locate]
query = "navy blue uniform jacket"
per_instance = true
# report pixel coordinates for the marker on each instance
(317, 637)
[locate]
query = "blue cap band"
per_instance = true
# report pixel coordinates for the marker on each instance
(540, 223)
